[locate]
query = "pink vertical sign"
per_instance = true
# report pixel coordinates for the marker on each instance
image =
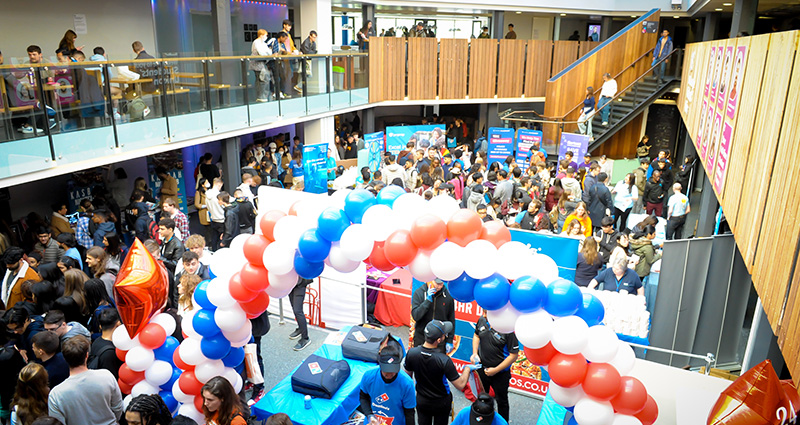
(736, 82)
(722, 161)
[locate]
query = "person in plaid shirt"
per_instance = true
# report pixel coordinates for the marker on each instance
(181, 222)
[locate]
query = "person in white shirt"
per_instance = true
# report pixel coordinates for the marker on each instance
(678, 208)
(259, 67)
(217, 214)
(607, 92)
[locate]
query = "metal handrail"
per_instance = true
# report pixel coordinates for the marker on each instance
(709, 358)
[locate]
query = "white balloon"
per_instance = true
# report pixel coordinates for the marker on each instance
(276, 292)
(602, 344)
(339, 261)
(624, 358)
(569, 334)
(190, 352)
(546, 268)
(166, 321)
(257, 226)
(159, 373)
(407, 208)
(534, 330)
(337, 199)
(278, 256)
(219, 293)
(237, 244)
(443, 206)
(504, 319)
(126, 401)
(180, 395)
(446, 261)
(514, 260)
(230, 375)
(480, 259)
(186, 324)
(591, 412)
(378, 221)
(122, 340)
(566, 397)
(625, 420)
(188, 410)
(241, 343)
(207, 370)
(139, 358)
(221, 264)
(356, 242)
(237, 386)
(282, 281)
(288, 229)
(420, 267)
(239, 334)
(230, 318)
(143, 387)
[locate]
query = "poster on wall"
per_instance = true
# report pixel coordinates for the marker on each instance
(721, 167)
(713, 142)
(707, 133)
(423, 136)
(688, 96)
(173, 162)
(736, 82)
(711, 56)
(315, 168)
(374, 144)
(525, 140)
(81, 184)
(501, 144)
(726, 75)
(701, 130)
(716, 75)
(573, 142)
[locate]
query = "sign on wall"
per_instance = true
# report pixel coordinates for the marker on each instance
(423, 136)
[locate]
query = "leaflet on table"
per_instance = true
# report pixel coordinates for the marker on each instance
(573, 142)
(525, 140)
(315, 168)
(501, 144)
(423, 136)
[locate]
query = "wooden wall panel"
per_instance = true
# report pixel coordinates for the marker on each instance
(564, 54)
(482, 68)
(539, 58)
(511, 68)
(789, 333)
(387, 61)
(586, 47)
(453, 59)
(423, 58)
(623, 143)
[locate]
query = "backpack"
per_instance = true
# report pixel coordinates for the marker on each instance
(137, 109)
(94, 361)
(152, 228)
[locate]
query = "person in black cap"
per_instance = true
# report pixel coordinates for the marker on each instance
(496, 352)
(606, 238)
(432, 301)
(386, 394)
(432, 367)
(480, 413)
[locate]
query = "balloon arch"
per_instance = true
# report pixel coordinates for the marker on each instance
(559, 325)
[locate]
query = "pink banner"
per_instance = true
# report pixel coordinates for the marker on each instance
(726, 78)
(736, 82)
(708, 119)
(711, 155)
(710, 70)
(701, 129)
(715, 75)
(722, 160)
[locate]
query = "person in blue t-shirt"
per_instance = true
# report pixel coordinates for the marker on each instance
(480, 413)
(387, 396)
(296, 165)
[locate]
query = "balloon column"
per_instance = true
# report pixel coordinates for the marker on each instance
(520, 289)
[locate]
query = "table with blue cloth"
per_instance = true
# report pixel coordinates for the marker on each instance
(337, 410)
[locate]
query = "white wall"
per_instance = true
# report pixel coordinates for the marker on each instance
(114, 25)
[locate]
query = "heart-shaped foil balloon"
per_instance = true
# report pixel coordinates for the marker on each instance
(141, 288)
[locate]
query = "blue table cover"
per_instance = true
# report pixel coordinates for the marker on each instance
(281, 398)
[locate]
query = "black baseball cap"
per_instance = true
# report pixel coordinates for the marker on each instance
(482, 411)
(390, 363)
(436, 329)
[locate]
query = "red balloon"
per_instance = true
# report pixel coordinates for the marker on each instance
(152, 336)
(464, 227)
(567, 370)
(198, 402)
(602, 381)
(129, 376)
(540, 356)
(632, 396)
(254, 248)
(124, 387)
(238, 291)
(495, 232)
(254, 278)
(399, 248)
(256, 306)
(179, 363)
(649, 414)
(120, 354)
(378, 258)
(293, 208)
(141, 288)
(268, 221)
(428, 232)
(189, 384)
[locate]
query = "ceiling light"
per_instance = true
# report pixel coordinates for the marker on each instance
(563, 14)
(719, 9)
(727, 4)
(519, 13)
(633, 16)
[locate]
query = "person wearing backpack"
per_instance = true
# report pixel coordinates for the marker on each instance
(102, 355)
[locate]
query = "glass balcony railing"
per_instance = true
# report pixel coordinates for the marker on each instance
(65, 113)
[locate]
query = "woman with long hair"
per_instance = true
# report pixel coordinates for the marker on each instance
(580, 214)
(621, 251)
(97, 300)
(30, 397)
(553, 195)
(625, 194)
(221, 405)
(74, 281)
(186, 286)
(68, 42)
(147, 409)
(566, 205)
(201, 203)
(45, 294)
(140, 184)
(115, 248)
(51, 273)
(102, 267)
(589, 263)
(587, 113)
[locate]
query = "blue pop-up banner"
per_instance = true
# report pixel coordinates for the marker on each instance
(501, 144)
(423, 136)
(315, 168)
(525, 140)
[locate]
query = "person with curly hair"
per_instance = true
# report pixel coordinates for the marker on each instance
(30, 398)
(147, 409)
(221, 405)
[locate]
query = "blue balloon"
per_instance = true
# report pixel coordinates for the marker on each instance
(356, 204)
(332, 223)
(491, 293)
(167, 349)
(388, 194)
(204, 324)
(215, 347)
(572, 420)
(313, 247)
(462, 288)
(176, 374)
(307, 269)
(591, 310)
(169, 400)
(211, 274)
(527, 294)
(563, 298)
(234, 357)
(201, 296)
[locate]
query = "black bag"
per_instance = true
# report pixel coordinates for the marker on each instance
(320, 377)
(363, 343)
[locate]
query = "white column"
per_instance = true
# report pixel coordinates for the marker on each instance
(319, 131)
(316, 15)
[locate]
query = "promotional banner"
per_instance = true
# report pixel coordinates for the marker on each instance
(501, 144)
(423, 136)
(525, 139)
(575, 143)
(374, 145)
(315, 168)
(173, 162)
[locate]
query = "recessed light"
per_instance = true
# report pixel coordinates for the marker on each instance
(727, 4)
(676, 16)
(563, 14)
(633, 16)
(519, 13)
(719, 9)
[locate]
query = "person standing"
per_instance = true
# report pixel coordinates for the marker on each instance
(643, 149)
(662, 50)
(181, 222)
(607, 92)
(297, 297)
(654, 194)
(231, 225)
(640, 178)
(432, 369)
(216, 212)
(309, 45)
(480, 413)
(171, 247)
(677, 209)
(58, 222)
(496, 352)
(587, 113)
(169, 186)
(484, 33)
(387, 394)
(17, 271)
(259, 68)
(600, 203)
(511, 35)
(51, 251)
(432, 302)
(626, 194)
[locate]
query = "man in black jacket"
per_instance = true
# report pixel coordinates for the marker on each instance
(171, 247)
(297, 298)
(432, 302)
(606, 238)
(231, 219)
(654, 195)
(247, 212)
(600, 203)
